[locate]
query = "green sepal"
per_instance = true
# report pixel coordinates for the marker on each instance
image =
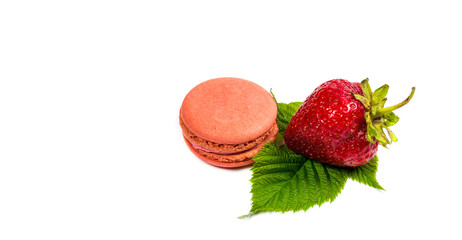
(366, 102)
(371, 131)
(367, 91)
(379, 94)
(382, 103)
(374, 109)
(378, 117)
(391, 134)
(390, 119)
(381, 137)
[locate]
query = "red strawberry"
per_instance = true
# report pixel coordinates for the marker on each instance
(341, 123)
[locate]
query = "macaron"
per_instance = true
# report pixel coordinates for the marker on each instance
(226, 121)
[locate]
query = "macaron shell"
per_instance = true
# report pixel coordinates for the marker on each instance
(233, 160)
(218, 163)
(228, 110)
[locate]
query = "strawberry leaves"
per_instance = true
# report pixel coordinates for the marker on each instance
(285, 181)
(366, 174)
(285, 113)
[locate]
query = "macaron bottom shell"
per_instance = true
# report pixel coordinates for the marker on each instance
(216, 162)
(239, 159)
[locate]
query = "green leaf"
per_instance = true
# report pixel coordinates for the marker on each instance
(285, 181)
(366, 174)
(285, 113)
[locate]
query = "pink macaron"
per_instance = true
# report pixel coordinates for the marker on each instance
(226, 121)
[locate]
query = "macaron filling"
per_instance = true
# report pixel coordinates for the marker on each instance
(218, 158)
(197, 147)
(223, 148)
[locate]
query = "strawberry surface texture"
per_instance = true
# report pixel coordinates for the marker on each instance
(330, 126)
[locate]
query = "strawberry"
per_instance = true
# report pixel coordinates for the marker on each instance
(342, 123)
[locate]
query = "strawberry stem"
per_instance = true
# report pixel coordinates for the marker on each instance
(386, 110)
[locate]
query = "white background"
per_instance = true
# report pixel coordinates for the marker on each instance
(91, 148)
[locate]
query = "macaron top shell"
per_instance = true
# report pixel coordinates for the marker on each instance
(228, 110)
